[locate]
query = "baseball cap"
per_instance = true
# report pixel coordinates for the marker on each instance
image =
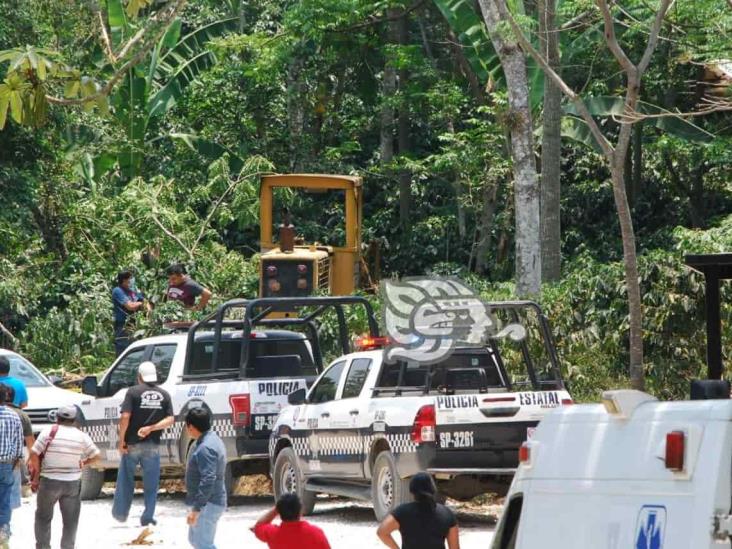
(66, 412)
(147, 372)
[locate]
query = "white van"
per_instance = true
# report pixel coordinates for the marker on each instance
(630, 473)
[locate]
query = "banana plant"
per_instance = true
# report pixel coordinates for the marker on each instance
(152, 89)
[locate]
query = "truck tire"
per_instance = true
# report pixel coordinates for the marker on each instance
(388, 489)
(288, 479)
(92, 481)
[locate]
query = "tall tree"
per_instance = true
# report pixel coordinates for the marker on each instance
(616, 154)
(551, 147)
(526, 182)
(403, 137)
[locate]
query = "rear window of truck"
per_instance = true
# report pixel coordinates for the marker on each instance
(267, 358)
(460, 372)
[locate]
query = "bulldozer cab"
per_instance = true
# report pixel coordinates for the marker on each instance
(290, 269)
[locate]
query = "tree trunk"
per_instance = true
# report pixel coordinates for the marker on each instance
(296, 111)
(487, 212)
(405, 177)
(551, 149)
(697, 207)
(526, 183)
(388, 90)
(637, 176)
(617, 161)
(458, 186)
(630, 263)
(242, 17)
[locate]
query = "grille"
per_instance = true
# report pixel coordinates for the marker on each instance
(287, 276)
(324, 273)
(40, 415)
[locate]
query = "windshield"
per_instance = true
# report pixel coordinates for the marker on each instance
(23, 370)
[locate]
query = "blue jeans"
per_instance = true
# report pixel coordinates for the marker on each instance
(7, 476)
(15, 493)
(147, 455)
(202, 534)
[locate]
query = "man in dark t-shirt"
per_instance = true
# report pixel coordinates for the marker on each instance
(183, 288)
(146, 411)
(423, 523)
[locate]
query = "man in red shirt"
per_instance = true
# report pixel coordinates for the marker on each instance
(293, 531)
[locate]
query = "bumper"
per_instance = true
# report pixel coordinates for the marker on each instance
(493, 450)
(252, 448)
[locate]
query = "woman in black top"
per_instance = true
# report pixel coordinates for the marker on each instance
(423, 523)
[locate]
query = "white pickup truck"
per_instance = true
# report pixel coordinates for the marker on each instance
(241, 374)
(366, 426)
(631, 472)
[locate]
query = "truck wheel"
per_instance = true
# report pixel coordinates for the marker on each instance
(388, 489)
(288, 479)
(92, 481)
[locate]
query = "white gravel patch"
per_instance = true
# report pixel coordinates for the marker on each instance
(347, 524)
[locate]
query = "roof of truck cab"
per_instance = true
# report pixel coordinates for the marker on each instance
(687, 410)
(227, 335)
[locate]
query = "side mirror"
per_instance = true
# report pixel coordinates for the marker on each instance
(56, 380)
(297, 397)
(89, 386)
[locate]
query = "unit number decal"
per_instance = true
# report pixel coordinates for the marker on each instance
(457, 439)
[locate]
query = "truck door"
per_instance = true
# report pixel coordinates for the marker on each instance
(318, 415)
(162, 355)
(347, 449)
(102, 414)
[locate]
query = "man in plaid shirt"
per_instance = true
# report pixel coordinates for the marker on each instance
(11, 452)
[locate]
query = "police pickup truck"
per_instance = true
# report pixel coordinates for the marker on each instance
(239, 362)
(367, 425)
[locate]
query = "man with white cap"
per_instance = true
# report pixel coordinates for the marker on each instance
(146, 411)
(55, 464)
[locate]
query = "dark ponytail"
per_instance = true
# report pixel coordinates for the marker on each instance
(426, 501)
(422, 487)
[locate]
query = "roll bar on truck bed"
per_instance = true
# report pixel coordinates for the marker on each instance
(262, 312)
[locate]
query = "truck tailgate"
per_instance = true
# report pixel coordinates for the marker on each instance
(485, 430)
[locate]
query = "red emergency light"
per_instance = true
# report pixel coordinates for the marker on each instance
(368, 343)
(675, 449)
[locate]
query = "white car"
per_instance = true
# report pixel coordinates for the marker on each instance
(44, 398)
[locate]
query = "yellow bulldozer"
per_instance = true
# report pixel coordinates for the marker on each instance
(293, 268)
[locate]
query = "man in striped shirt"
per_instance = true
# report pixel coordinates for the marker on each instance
(58, 456)
(11, 451)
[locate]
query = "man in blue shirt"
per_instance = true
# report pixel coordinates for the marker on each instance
(21, 393)
(205, 490)
(126, 301)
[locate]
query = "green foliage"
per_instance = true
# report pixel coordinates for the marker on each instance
(235, 89)
(470, 30)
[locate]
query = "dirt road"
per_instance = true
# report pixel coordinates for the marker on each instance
(347, 524)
